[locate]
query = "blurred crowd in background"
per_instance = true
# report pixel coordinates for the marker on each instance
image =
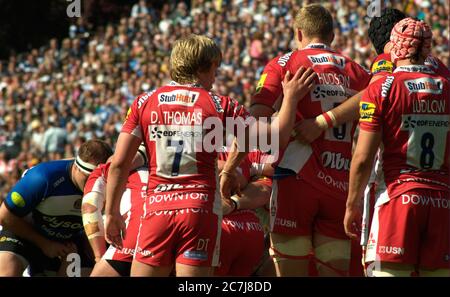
(55, 97)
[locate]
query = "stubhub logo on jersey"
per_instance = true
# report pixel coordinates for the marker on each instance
(328, 59)
(178, 97)
(424, 85)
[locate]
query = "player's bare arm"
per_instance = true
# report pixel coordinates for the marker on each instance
(126, 148)
(25, 230)
(91, 210)
(309, 130)
(361, 166)
(253, 196)
(294, 89)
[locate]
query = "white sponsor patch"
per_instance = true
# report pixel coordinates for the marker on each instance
(328, 59)
(178, 97)
(424, 85)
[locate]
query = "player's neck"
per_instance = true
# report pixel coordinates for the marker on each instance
(407, 62)
(73, 176)
(307, 41)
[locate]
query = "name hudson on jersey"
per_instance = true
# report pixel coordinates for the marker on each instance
(424, 85)
(178, 97)
(327, 59)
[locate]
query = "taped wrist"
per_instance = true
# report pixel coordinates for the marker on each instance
(93, 221)
(143, 152)
(326, 120)
(237, 204)
(256, 169)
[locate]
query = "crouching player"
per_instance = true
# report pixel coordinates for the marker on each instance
(240, 223)
(41, 216)
(112, 261)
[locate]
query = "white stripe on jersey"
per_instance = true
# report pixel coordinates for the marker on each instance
(365, 228)
(273, 205)
(137, 132)
(99, 185)
(371, 251)
(217, 203)
(216, 254)
(296, 156)
(125, 205)
(60, 205)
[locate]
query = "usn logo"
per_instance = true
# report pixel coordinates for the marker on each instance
(183, 97)
(327, 59)
(424, 85)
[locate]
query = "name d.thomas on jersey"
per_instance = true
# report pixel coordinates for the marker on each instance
(207, 135)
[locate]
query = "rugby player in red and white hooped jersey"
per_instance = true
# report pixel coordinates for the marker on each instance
(310, 181)
(112, 261)
(408, 113)
(240, 222)
(181, 223)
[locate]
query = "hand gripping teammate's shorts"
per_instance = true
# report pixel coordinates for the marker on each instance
(126, 254)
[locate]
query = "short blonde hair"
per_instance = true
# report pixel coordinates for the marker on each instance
(314, 20)
(192, 54)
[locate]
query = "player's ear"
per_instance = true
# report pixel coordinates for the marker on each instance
(331, 37)
(388, 47)
(299, 35)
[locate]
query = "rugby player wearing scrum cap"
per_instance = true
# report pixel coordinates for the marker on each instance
(408, 113)
(41, 216)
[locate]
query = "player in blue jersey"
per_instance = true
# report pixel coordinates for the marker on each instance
(41, 216)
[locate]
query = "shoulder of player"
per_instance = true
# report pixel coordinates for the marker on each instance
(380, 86)
(281, 62)
(42, 176)
(51, 170)
(316, 56)
(220, 101)
(142, 98)
(382, 63)
(438, 66)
